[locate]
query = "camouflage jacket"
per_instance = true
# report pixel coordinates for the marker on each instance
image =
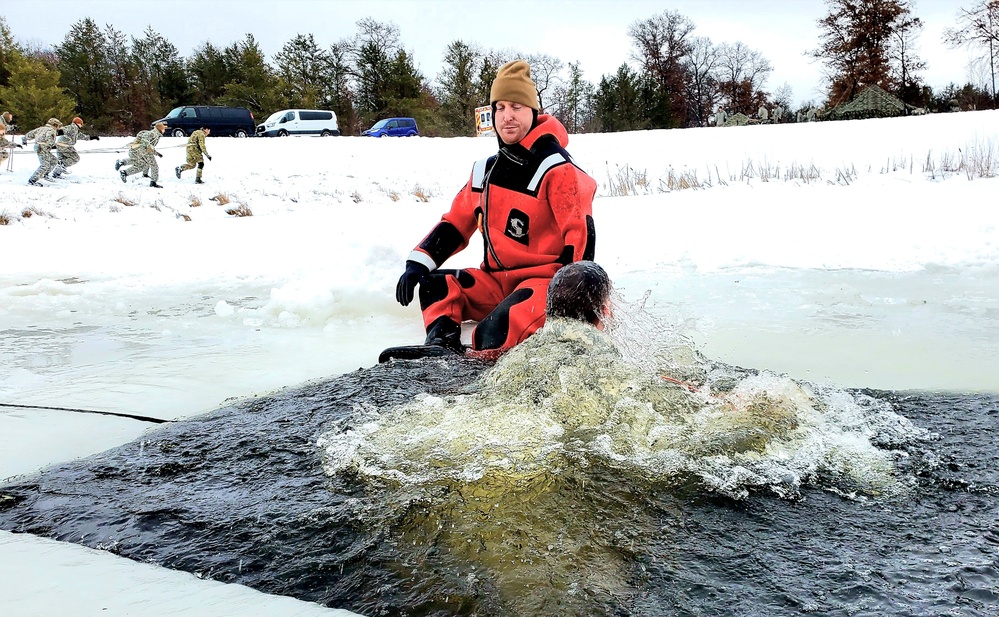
(70, 133)
(43, 136)
(146, 140)
(197, 142)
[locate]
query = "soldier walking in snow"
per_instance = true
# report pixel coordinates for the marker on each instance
(142, 155)
(66, 146)
(720, 117)
(196, 148)
(45, 138)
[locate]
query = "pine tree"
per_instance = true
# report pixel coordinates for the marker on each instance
(341, 94)
(160, 75)
(209, 74)
(34, 94)
(85, 70)
(619, 102)
(373, 52)
(457, 91)
(572, 102)
(8, 51)
(302, 66)
(123, 100)
(253, 83)
(402, 88)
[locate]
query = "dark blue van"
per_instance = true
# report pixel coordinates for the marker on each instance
(235, 121)
(393, 127)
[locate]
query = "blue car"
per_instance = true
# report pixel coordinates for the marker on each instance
(393, 127)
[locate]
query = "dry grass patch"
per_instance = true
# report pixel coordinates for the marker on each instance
(123, 200)
(239, 210)
(627, 181)
(805, 174)
(222, 199)
(31, 211)
(421, 194)
(394, 195)
(356, 197)
(6, 218)
(195, 201)
(680, 181)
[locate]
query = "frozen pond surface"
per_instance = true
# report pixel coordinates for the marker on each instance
(887, 280)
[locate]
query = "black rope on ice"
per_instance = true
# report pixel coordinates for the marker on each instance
(93, 411)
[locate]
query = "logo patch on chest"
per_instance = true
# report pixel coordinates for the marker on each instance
(518, 227)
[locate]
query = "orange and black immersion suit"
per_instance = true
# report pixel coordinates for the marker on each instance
(534, 208)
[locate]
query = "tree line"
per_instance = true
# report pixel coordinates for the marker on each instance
(673, 78)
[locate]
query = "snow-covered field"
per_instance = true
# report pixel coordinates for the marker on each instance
(841, 253)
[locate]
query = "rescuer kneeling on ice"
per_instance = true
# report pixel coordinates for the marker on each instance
(533, 206)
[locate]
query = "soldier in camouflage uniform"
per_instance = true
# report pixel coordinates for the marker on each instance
(195, 148)
(142, 155)
(45, 138)
(65, 146)
(5, 145)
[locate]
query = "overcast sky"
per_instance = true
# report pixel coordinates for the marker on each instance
(591, 32)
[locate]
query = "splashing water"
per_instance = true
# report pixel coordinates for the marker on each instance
(637, 397)
(536, 473)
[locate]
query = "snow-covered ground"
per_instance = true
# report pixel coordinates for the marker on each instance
(842, 253)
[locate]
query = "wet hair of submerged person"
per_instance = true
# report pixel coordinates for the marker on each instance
(579, 290)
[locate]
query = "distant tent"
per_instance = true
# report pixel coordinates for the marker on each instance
(872, 102)
(739, 119)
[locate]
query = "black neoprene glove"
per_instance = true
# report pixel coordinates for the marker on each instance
(209, 156)
(95, 138)
(158, 154)
(18, 146)
(415, 273)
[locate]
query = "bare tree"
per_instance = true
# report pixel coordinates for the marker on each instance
(905, 61)
(702, 64)
(545, 72)
(742, 72)
(978, 27)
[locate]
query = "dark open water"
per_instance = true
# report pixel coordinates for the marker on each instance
(240, 495)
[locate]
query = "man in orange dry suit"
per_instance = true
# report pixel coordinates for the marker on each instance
(533, 207)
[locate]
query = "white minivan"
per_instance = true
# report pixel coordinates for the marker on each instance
(299, 122)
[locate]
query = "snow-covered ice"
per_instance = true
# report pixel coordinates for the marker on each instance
(842, 253)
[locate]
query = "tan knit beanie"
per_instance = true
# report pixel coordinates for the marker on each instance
(513, 83)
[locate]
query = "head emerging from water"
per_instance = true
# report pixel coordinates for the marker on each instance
(580, 290)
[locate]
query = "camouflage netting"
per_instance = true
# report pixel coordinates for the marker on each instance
(872, 102)
(739, 119)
